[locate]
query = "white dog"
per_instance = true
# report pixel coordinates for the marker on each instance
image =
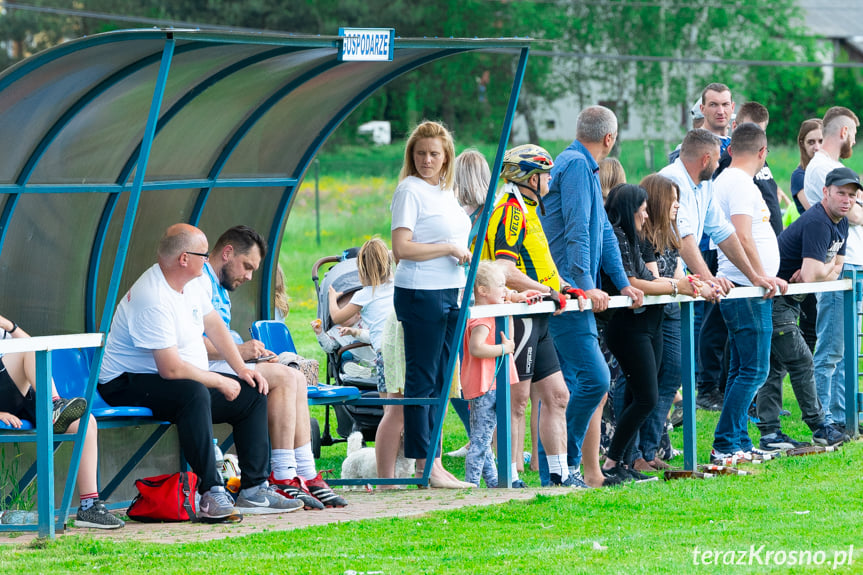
(360, 462)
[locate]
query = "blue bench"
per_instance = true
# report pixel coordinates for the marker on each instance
(71, 371)
(276, 336)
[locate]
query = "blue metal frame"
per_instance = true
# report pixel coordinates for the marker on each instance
(852, 380)
(687, 375)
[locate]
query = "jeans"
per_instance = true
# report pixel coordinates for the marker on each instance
(712, 350)
(429, 319)
(668, 383)
(750, 327)
(483, 421)
(830, 351)
(788, 353)
(586, 375)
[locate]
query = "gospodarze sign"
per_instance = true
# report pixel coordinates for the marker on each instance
(367, 44)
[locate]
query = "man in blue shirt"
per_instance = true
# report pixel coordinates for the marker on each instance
(582, 241)
(235, 257)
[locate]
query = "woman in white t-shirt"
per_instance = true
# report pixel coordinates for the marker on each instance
(429, 238)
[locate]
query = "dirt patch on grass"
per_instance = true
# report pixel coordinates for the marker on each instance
(361, 505)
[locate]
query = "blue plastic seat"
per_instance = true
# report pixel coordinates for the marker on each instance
(275, 335)
(71, 369)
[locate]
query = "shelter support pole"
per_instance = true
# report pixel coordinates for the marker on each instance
(687, 376)
(44, 446)
(504, 422)
(482, 226)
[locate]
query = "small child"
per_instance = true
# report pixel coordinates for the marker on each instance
(358, 361)
(478, 373)
(375, 305)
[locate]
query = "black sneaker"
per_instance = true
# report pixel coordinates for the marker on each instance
(707, 402)
(779, 441)
(841, 429)
(519, 484)
(66, 411)
(574, 480)
(98, 517)
(638, 476)
(828, 435)
(619, 474)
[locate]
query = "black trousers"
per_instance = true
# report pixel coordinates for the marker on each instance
(193, 408)
(635, 339)
(429, 319)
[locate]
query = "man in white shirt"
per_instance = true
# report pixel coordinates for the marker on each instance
(840, 135)
(236, 256)
(749, 320)
(700, 214)
(155, 357)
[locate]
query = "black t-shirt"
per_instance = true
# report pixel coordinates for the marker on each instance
(813, 235)
(766, 185)
(632, 257)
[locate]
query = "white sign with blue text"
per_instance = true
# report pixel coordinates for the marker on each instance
(366, 44)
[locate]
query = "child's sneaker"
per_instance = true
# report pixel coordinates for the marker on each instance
(322, 492)
(98, 517)
(66, 411)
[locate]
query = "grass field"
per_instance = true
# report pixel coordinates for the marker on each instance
(810, 506)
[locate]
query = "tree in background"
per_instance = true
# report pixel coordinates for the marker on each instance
(470, 92)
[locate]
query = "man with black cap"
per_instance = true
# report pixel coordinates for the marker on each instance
(840, 134)
(812, 249)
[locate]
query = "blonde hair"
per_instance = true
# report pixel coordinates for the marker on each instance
(373, 263)
(487, 273)
(280, 297)
(437, 130)
(472, 178)
(610, 174)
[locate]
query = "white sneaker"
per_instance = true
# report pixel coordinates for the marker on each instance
(460, 452)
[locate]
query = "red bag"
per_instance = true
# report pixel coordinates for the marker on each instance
(168, 497)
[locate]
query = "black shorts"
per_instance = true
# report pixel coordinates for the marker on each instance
(535, 356)
(11, 400)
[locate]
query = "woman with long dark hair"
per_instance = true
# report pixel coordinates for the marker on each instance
(635, 336)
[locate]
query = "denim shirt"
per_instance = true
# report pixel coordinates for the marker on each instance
(575, 223)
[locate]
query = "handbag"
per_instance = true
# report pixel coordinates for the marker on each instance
(169, 497)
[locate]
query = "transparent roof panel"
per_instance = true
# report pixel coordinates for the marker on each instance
(235, 106)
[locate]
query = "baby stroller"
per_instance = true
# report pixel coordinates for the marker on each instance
(342, 275)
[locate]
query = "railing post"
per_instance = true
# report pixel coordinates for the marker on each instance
(687, 375)
(504, 424)
(44, 445)
(852, 326)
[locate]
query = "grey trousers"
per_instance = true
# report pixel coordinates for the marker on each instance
(788, 354)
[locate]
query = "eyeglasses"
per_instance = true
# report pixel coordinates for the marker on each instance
(205, 255)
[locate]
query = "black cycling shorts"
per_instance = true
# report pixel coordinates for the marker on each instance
(535, 356)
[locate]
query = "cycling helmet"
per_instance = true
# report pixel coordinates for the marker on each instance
(521, 162)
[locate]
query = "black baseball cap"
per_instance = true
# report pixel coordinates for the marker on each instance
(842, 177)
